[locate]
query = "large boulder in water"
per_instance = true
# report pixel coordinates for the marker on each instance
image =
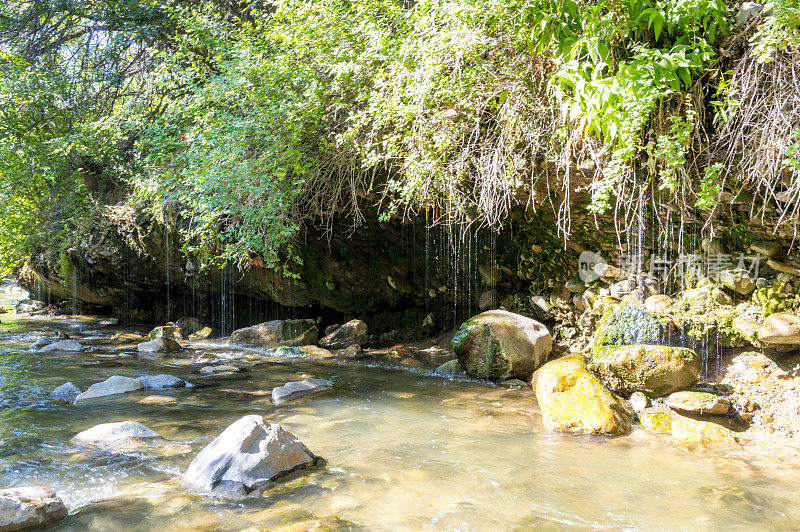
(625, 324)
(29, 507)
(249, 454)
(111, 386)
(66, 391)
(166, 331)
(354, 332)
(277, 332)
(163, 381)
(63, 345)
(654, 370)
(119, 437)
(572, 399)
(500, 345)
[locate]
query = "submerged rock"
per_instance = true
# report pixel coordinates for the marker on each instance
(499, 345)
(66, 391)
(156, 382)
(159, 345)
(327, 524)
(119, 437)
(652, 369)
(41, 342)
(700, 402)
(63, 345)
(352, 351)
(695, 433)
(352, 332)
(277, 332)
(111, 386)
(248, 455)
(572, 399)
(297, 389)
(29, 507)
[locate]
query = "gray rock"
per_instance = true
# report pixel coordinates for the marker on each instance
(41, 342)
(490, 274)
(63, 345)
(157, 382)
(296, 389)
(352, 332)
(330, 328)
(747, 12)
(248, 455)
(111, 386)
(222, 368)
(700, 402)
(487, 300)
(277, 332)
(29, 507)
(188, 326)
(66, 391)
(738, 280)
(159, 345)
(119, 437)
(108, 322)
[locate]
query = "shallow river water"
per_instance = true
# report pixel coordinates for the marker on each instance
(404, 450)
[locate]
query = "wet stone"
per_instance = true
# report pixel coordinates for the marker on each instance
(297, 389)
(111, 386)
(29, 507)
(66, 391)
(162, 381)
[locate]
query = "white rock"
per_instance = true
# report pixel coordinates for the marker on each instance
(248, 454)
(122, 436)
(63, 345)
(29, 507)
(111, 386)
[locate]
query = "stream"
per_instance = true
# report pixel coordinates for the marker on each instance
(404, 450)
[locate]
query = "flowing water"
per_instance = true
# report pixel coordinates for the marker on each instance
(404, 450)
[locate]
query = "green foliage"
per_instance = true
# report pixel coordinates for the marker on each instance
(779, 30)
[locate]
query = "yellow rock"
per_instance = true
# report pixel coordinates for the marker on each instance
(695, 433)
(656, 420)
(658, 303)
(573, 400)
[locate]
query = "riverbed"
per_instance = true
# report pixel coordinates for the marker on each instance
(403, 449)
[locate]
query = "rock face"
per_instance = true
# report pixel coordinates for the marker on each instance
(574, 400)
(29, 507)
(296, 389)
(700, 402)
(627, 325)
(111, 386)
(66, 391)
(249, 454)
(123, 436)
(277, 332)
(654, 370)
(500, 345)
(163, 381)
(352, 332)
(159, 345)
(63, 345)
(695, 433)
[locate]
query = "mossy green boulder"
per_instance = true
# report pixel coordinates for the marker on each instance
(499, 345)
(451, 367)
(657, 420)
(626, 324)
(654, 370)
(572, 399)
